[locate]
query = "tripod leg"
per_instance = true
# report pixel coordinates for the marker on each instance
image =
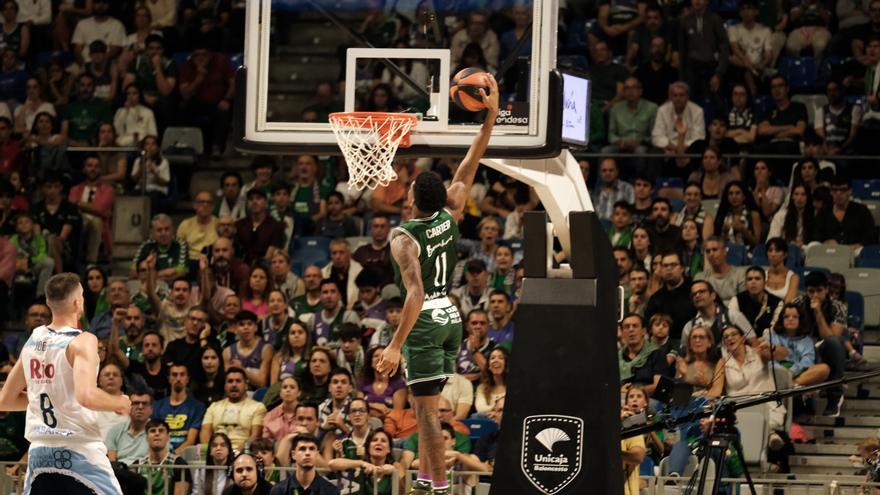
(738, 447)
(704, 471)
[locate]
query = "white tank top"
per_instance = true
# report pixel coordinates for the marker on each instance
(53, 413)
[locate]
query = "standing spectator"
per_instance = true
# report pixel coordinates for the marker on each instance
(704, 49)
(607, 77)
(725, 279)
(101, 26)
(631, 120)
(171, 253)
(376, 255)
(157, 78)
(846, 222)
(615, 19)
(711, 314)
(59, 220)
(95, 201)
(837, 122)
(760, 307)
(656, 74)
(783, 128)
(199, 231)
(477, 31)
(33, 265)
(207, 87)
(157, 433)
(152, 370)
(186, 350)
(127, 442)
(83, 116)
(181, 412)
(679, 122)
(612, 189)
(640, 39)
(751, 46)
(741, 125)
(133, 121)
(13, 78)
(156, 171)
(343, 270)
(809, 23)
(240, 417)
(674, 298)
(258, 233)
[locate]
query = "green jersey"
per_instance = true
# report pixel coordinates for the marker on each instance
(437, 238)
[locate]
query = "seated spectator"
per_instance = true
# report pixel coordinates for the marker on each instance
(674, 298)
(281, 209)
(693, 209)
(236, 404)
(374, 464)
(489, 231)
(782, 129)
(11, 157)
(316, 378)
(751, 46)
(382, 392)
(768, 196)
(82, 116)
(607, 77)
(114, 164)
(256, 293)
(781, 281)
(809, 22)
(691, 248)
(310, 302)
(208, 382)
(795, 222)
(156, 171)
(716, 136)
(725, 279)
(219, 453)
(615, 19)
(658, 334)
(304, 452)
(292, 355)
(475, 293)
(741, 125)
(127, 442)
(333, 411)
(792, 334)
(712, 315)
(501, 325)
(308, 195)
(156, 76)
(110, 381)
(59, 221)
(759, 306)
(459, 391)
(655, 73)
(230, 201)
(679, 123)
(638, 291)
(250, 353)
(103, 70)
(283, 278)
(503, 277)
(701, 366)
(493, 380)
(460, 433)
(336, 223)
(13, 78)
(369, 304)
(280, 421)
(207, 88)
(837, 122)
(118, 296)
(377, 254)
(180, 410)
(200, 230)
(248, 477)
(474, 353)
(263, 450)
(133, 121)
(664, 235)
(710, 176)
(101, 26)
(746, 372)
(179, 480)
(197, 334)
(95, 292)
(739, 219)
(456, 460)
(612, 189)
(640, 362)
(259, 234)
(32, 105)
(306, 424)
(95, 201)
(59, 82)
(33, 264)
(620, 233)
(171, 313)
(263, 168)
(274, 326)
(477, 31)
(324, 323)
(846, 222)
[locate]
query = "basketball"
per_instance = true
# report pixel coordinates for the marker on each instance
(465, 89)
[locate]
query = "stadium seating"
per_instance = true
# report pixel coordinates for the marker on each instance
(737, 254)
(803, 271)
(800, 72)
(480, 427)
(866, 189)
(356, 242)
(711, 206)
(855, 306)
(795, 256)
(182, 145)
(866, 281)
(835, 258)
(869, 257)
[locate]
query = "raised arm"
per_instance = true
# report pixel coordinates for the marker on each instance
(83, 354)
(406, 252)
(464, 176)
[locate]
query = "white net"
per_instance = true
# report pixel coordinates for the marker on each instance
(369, 141)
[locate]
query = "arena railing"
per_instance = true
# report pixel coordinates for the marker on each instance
(729, 158)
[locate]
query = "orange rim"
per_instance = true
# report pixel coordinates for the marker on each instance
(377, 120)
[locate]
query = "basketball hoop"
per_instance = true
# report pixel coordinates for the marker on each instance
(368, 141)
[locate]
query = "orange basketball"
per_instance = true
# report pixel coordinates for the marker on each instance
(465, 89)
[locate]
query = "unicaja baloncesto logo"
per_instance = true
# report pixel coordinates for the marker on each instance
(551, 451)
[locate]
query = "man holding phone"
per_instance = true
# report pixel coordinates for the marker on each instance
(186, 350)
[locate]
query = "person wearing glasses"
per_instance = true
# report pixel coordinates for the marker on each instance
(200, 230)
(846, 222)
(127, 442)
(712, 314)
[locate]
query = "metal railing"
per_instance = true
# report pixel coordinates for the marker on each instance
(833, 485)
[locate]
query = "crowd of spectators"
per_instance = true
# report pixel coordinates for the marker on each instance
(228, 341)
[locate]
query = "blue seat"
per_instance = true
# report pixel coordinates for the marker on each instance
(869, 257)
(761, 105)
(297, 267)
(800, 72)
(866, 188)
(737, 254)
(646, 468)
(259, 394)
(606, 224)
(180, 58)
(480, 427)
(236, 60)
(855, 305)
(673, 182)
(795, 256)
(311, 242)
(803, 271)
(676, 204)
(515, 243)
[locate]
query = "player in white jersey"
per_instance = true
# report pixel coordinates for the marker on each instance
(55, 381)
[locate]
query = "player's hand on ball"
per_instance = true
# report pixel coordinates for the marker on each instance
(124, 408)
(389, 360)
(491, 100)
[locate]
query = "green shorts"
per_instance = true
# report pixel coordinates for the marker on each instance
(433, 344)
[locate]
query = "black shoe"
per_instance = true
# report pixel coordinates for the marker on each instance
(833, 408)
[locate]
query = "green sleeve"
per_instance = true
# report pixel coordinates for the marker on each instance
(41, 249)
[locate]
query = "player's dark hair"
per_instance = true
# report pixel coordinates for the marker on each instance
(429, 192)
(60, 287)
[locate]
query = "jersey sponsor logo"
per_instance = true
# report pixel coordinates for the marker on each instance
(176, 421)
(439, 229)
(45, 431)
(431, 248)
(439, 316)
(41, 372)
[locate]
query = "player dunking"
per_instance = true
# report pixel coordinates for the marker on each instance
(58, 367)
(424, 253)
